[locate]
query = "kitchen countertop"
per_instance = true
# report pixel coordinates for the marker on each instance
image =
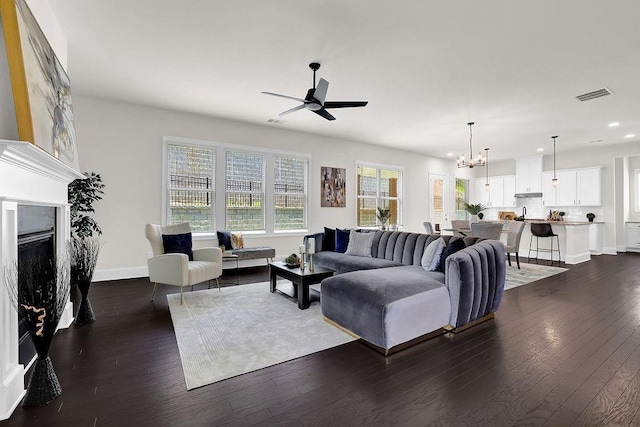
(549, 222)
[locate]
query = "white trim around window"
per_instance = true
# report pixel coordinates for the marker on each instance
(298, 203)
(637, 192)
(378, 198)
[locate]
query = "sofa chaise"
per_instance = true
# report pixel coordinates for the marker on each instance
(390, 301)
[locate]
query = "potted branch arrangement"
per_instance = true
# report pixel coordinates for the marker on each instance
(83, 248)
(39, 291)
(383, 216)
(474, 210)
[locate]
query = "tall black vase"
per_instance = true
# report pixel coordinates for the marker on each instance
(43, 384)
(85, 312)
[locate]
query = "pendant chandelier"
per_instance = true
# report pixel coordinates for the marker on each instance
(554, 181)
(479, 161)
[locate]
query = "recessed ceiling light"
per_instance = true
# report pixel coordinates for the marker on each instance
(630, 135)
(539, 149)
(449, 154)
(614, 124)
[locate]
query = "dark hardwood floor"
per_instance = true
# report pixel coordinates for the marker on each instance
(563, 350)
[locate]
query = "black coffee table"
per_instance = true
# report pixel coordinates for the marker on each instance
(301, 279)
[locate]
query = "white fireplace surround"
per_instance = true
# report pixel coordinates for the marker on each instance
(28, 176)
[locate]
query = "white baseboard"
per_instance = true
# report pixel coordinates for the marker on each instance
(610, 251)
(576, 259)
(143, 271)
(120, 273)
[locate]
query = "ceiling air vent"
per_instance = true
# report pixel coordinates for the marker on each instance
(593, 95)
(275, 121)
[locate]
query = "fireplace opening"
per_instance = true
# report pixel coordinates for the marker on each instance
(36, 241)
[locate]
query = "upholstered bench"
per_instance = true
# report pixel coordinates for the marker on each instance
(255, 253)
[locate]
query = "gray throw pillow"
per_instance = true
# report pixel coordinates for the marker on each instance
(440, 244)
(430, 252)
(360, 243)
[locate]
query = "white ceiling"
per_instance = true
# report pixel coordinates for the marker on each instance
(426, 67)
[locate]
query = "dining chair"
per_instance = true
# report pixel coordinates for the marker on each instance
(514, 234)
(486, 230)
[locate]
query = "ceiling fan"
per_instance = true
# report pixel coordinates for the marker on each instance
(315, 99)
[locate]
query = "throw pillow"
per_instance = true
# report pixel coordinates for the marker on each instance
(224, 238)
(436, 255)
(178, 244)
(342, 240)
(454, 246)
(360, 244)
(329, 239)
(430, 251)
(237, 242)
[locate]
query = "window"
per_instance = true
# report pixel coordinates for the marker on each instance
(245, 191)
(257, 191)
(378, 187)
(190, 186)
(462, 196)
(290, 193)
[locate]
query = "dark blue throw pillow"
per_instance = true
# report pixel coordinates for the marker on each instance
(224, 238)
(342, 240)
(329, 239)
(454, 246)
(178, 244)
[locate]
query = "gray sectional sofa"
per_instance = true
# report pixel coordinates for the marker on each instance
(390, 301)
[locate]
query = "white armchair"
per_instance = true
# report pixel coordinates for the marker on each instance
(175, 268)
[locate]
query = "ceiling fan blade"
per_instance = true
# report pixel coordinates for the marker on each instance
(321, 91)
(324, 113)
(299, 107)
(284, 96)
(344, 104)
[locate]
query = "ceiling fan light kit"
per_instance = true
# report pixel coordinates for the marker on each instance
(479, 161)
(315, 99)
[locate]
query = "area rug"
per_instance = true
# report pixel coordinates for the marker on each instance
(244, 328)
(529, 273)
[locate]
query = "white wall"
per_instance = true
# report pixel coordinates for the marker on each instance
(123, 142)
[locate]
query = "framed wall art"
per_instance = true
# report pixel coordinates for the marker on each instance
(333, 192)
(41, 87)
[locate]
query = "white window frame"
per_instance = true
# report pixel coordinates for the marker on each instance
(219, 219)
(637, 192)
(400, 198)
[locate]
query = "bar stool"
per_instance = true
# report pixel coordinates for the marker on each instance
(543, 230)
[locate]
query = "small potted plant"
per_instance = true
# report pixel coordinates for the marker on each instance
(474, 209)
(292, 261)
(562, 214)
(383, 216)
(591, 216)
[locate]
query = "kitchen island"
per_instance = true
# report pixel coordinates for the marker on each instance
(574, 241)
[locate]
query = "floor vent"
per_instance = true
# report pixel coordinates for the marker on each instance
(593, 95)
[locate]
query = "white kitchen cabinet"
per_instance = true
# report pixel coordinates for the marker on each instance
(509, 191)
(596, 244)
(500, 193)
(588, 187)
(529, 175)
(633, 236)
(579, 187)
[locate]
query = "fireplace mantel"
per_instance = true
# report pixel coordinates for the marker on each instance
(28, 175)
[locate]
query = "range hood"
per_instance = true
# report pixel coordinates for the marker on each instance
(526, 195)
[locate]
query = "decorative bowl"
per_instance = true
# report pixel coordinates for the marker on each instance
(292, 265)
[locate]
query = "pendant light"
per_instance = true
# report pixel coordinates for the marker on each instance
(486, 157)
(480, 161)
(554, 181)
